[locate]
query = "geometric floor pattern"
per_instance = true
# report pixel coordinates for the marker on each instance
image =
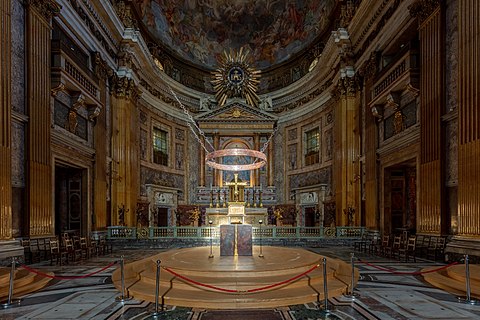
(380, 295)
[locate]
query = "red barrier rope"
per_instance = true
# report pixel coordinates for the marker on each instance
(66, 277)
(410, 273)
(241, 291)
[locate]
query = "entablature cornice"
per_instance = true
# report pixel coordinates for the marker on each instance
(369, 26)
(90, 27)
(46, 8)
(311, 85)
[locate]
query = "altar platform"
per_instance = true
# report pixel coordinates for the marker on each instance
(240, 277)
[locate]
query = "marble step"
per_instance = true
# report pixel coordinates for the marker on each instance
(25, 282)
(219, 300)
(455, 284)
(235, 273)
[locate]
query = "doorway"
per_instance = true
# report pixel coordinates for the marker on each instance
(310, 213)
(161, 217)
(400, 197)
(70, 199)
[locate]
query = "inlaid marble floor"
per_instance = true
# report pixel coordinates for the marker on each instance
(381, 295)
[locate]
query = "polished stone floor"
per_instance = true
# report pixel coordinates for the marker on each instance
(381, 295)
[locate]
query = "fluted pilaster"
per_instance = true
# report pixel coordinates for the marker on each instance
(5, 120)
(125, 157)
(431, 199)
(40, 216)
(468, 119)
(346, 148)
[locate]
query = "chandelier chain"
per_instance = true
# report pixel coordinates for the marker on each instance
(265, 145)
(200, 131)
(185, 111)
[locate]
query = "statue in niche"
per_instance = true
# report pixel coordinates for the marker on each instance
(72, 122)
(398, 122)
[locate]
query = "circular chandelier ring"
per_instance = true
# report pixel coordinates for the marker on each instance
(260, 159)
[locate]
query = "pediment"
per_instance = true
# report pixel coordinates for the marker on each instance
(236, 111)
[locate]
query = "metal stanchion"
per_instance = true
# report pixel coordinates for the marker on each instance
(352, 294)
(122, 298)
(10, 302)
(467, 299)
(156, 314)
(261, 253)
(211, 239)
(325, 288)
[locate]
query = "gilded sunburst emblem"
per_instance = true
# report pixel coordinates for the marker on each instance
(236, 78)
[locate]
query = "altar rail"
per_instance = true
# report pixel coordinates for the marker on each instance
(267, 232)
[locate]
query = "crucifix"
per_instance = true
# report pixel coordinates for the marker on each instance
(237, 187)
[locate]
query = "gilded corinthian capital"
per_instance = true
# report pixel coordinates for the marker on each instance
(46, 8)
(423, 8)
(123, 87)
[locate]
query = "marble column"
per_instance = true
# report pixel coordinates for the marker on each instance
(256, 146)
(270, 164)
(6, 122)
(40, 213)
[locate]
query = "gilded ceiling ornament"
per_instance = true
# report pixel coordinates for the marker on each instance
(236, 78)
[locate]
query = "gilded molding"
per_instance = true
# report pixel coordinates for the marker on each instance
(123, 87)
(100, 66)
(422, 9)
(347, 12)
(306, 98)
(347, 87)
(54, 91)
(46, 8)
(125, 14)
(369, 68)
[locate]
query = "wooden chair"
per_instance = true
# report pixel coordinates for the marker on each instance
(72, 251)
(408, 249)
(381, 247)
(34, 250)
(390, 250)
(85, 248)
(361, 244)
(422, 245)
(436, 248)
(56, 253)
(26, 250)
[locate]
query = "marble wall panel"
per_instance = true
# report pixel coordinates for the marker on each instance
(279, 172)
(143, 144)
(451, 153)
(18, 154)
(451, 53)
(322, 176)
(161, 178)
(18, 56)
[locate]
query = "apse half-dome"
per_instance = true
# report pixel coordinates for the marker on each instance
(200, 30)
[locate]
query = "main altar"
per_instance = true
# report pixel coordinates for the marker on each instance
(238, 210)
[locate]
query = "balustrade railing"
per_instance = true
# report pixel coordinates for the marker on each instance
(118, 232)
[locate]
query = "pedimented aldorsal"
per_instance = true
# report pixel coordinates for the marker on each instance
(236, 115)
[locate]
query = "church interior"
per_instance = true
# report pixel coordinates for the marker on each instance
(231, 158)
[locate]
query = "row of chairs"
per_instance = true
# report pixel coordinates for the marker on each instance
(403, 245)
(63, 249)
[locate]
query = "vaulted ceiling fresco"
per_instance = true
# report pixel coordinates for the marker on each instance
(200, 30)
